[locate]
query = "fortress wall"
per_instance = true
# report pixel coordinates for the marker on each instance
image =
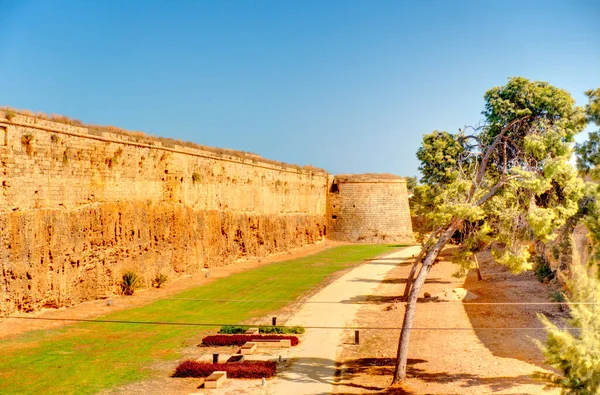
(369, 209)
(78, 209)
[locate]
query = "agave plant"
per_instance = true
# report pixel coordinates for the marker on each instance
(159, 280)
(130, 283)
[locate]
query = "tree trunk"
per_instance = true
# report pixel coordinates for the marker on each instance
(411, 275)
(413, 270)
(479, 278)
(409, 315)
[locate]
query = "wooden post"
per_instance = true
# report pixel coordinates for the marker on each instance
(356, 337)
(274, 321)
(215, 358)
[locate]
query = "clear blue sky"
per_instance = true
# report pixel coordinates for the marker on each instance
(350, 86)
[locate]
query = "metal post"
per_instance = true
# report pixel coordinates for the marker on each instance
(215, 358)
(274, 321)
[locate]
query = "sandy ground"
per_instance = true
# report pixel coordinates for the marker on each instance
(93, 309)
(477, 360)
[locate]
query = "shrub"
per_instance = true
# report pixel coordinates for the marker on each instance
(240, 329)
(242, 370)
(281, 329)
(575, 353)
(543, 271)
(129, 283)
(238, 340)
(9, 114)
(159, 280)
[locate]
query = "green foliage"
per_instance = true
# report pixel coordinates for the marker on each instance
(239, 329)
(588, 154)
(130, 281)
(539, 103)
(592, 109)
(576, 353)
(440, 154)
(280, 329)
(159, 280)
(411, 183)
(557, 297)
(508, 181)
(543, 271)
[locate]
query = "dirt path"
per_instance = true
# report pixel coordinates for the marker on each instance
(97, 308)
(470, 361)
(313, 364)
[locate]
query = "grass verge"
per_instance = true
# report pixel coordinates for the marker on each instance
(89, 357)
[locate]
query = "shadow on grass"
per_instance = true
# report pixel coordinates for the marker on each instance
(385, 367)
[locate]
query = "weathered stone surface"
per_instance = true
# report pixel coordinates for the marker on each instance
(369, 208)
(77, 210)
(79, 207)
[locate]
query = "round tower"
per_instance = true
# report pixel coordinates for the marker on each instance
(369, 208)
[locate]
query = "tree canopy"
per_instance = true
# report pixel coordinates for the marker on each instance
(506, 183)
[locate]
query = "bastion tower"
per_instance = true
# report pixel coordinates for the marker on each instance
(368, 208)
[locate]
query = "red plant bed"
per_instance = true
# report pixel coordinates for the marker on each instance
(242, 370)
(239, 340)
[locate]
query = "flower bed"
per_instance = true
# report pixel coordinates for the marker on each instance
(238, 340)
(240, 329)
(242, 370)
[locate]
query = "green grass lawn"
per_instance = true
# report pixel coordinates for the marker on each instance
(88, 357)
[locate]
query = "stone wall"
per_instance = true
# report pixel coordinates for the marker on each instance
(78, 209)
(369, 208)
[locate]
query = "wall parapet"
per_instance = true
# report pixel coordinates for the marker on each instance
(128, 138)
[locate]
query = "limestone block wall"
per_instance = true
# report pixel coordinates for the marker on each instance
(77, 209)
(369, 208)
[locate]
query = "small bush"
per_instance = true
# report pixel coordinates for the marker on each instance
(9, 114)
(242, 370)
(543, 271)
(129, 283)
(557, 297)
(281, 329)
(233, 329)
(239, 340)
(54, 138)
(159, 280)
(241, 329)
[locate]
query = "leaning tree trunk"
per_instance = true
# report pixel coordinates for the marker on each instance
(409, 315)
(413, 270)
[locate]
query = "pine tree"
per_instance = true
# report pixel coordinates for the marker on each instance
(576, 352)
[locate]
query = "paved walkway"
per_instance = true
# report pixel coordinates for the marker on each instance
(313, 364)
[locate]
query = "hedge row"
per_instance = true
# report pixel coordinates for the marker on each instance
(239, 340)
(242, 370)
(240, 329)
